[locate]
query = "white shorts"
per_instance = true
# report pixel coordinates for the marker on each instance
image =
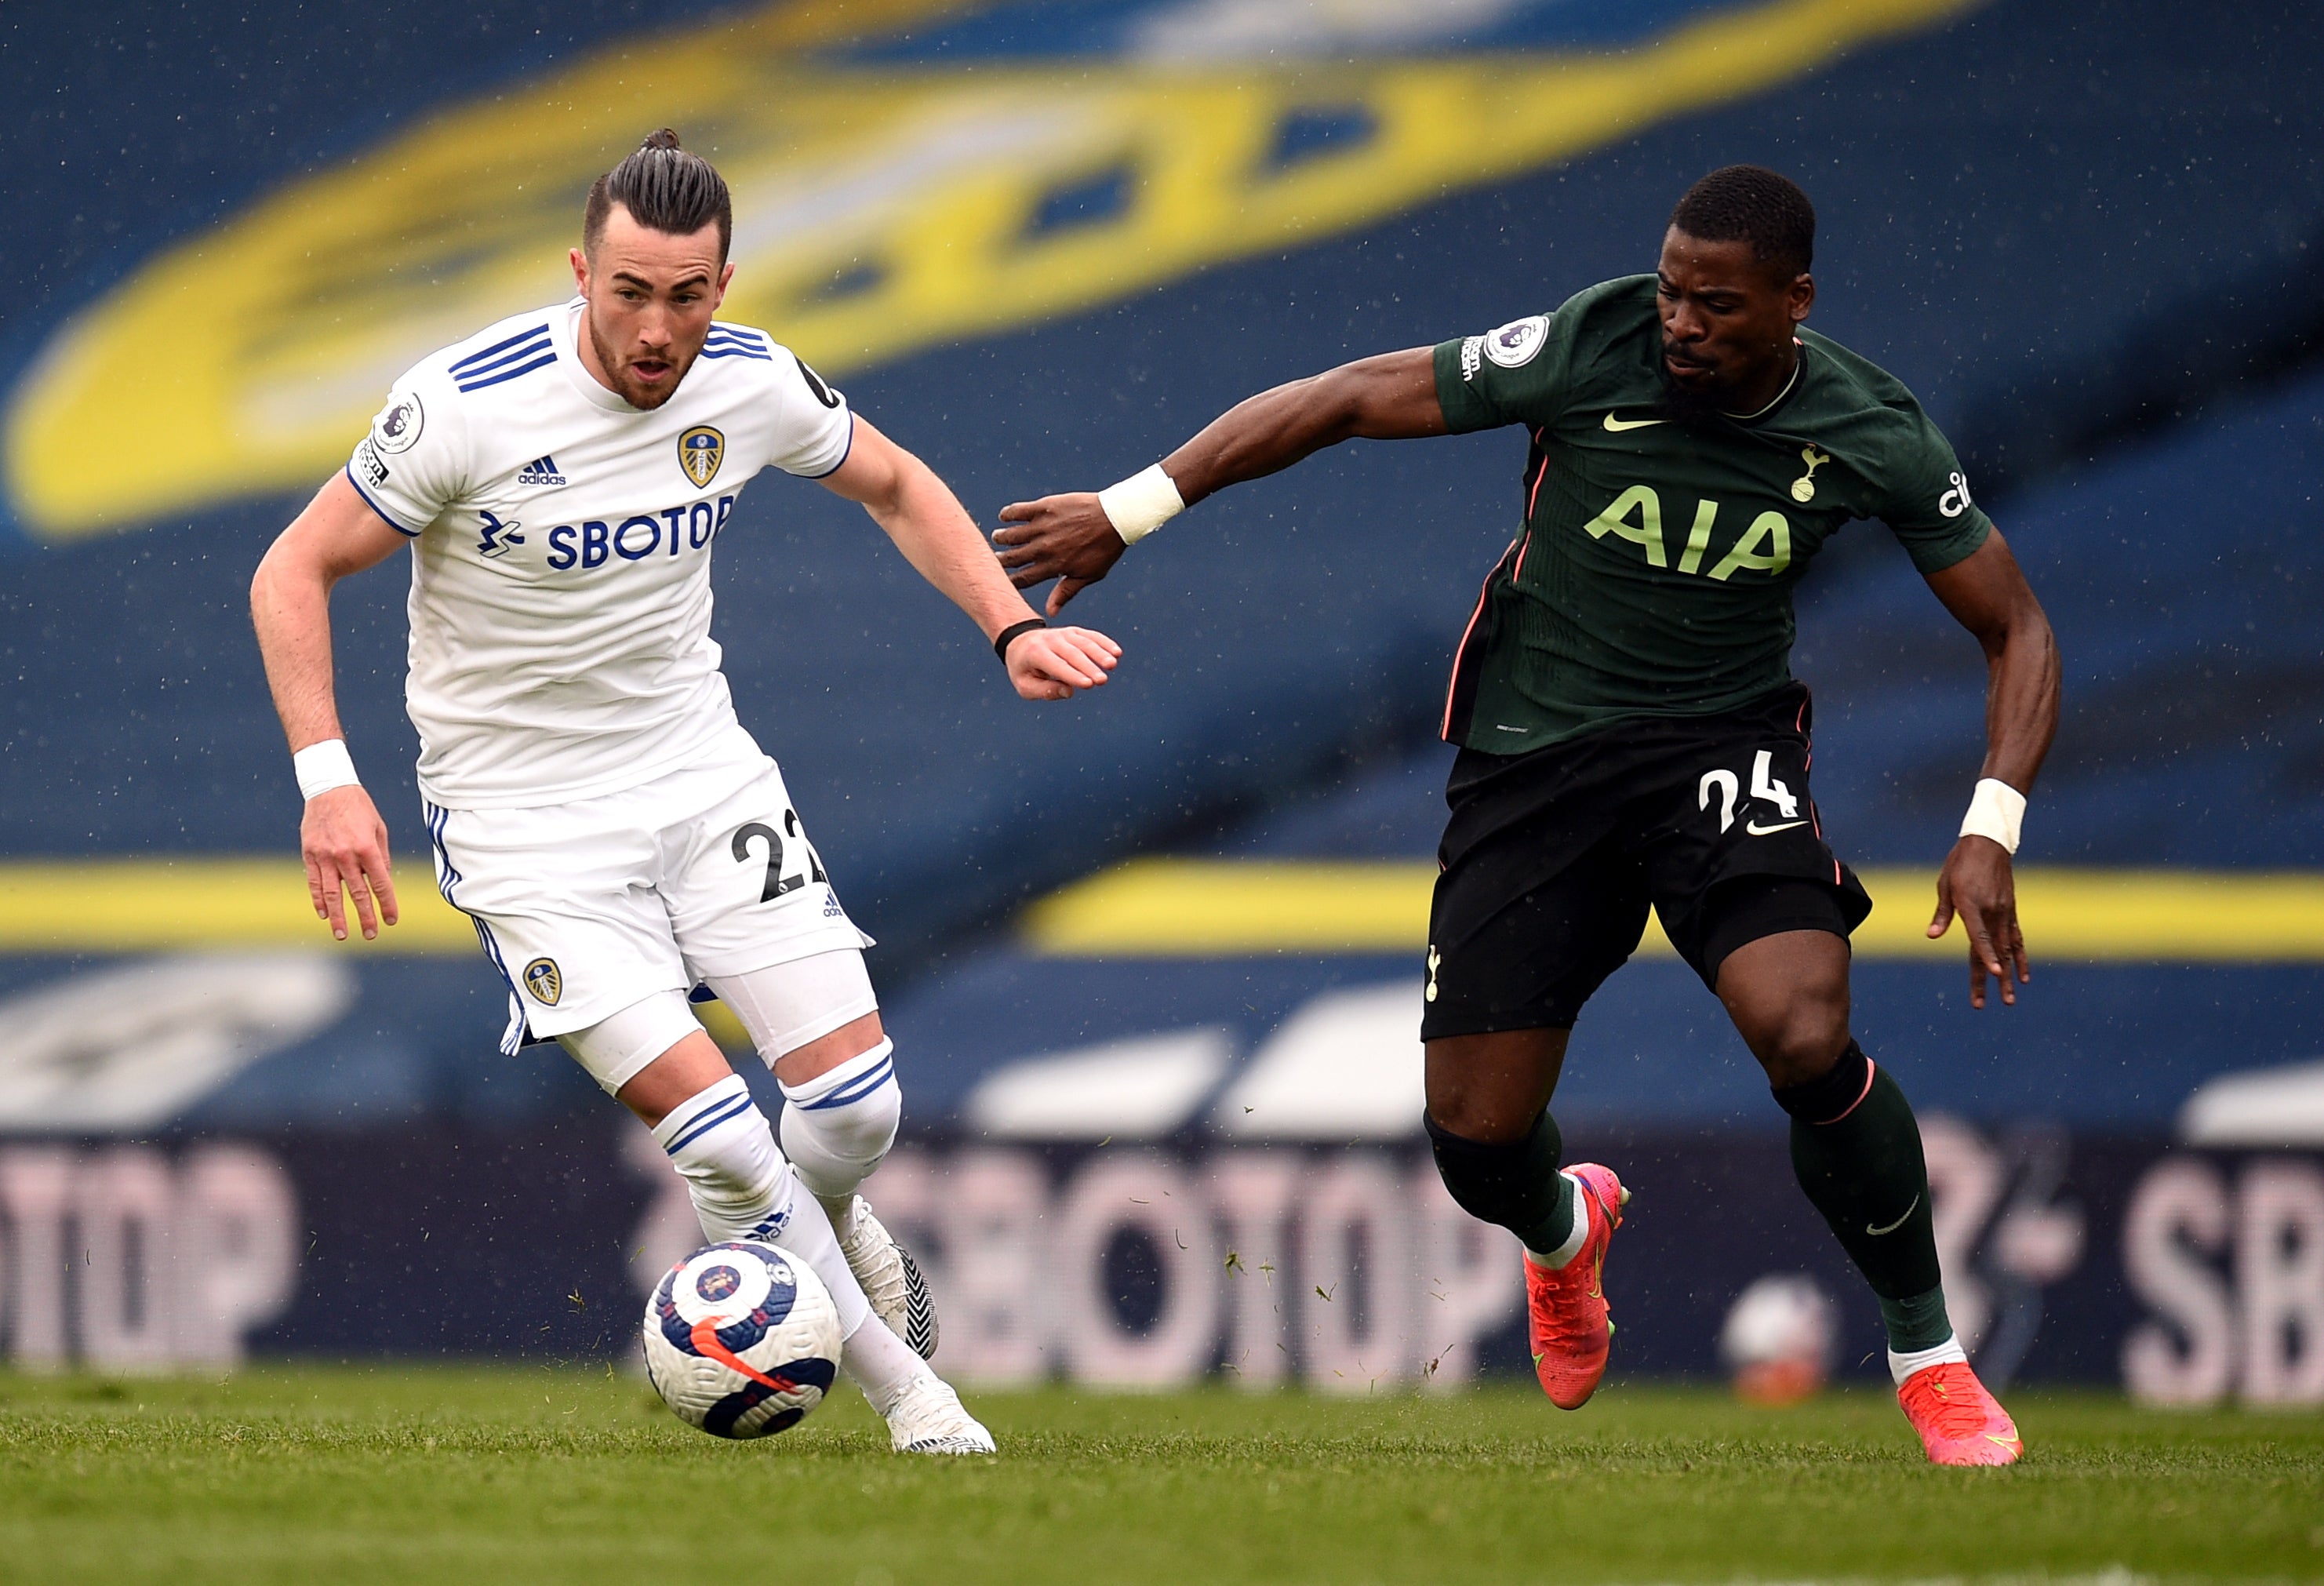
(588, 908)
(783, 1006)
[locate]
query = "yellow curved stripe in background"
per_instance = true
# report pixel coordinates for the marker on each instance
(183, 903)
(248, 359)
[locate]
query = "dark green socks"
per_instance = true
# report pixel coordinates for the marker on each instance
(1857, 1150)
(1515, 1186)
(1855, 1146)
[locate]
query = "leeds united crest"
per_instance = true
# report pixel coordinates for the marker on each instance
(700, 450)
(541, 978)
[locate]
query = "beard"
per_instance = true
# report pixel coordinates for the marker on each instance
(627, 386)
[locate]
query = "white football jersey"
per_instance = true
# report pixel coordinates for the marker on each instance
(560, 601)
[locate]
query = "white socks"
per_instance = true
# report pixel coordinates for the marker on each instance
(809, 1236)
(1556, 1258)
(837, 1126)
(881, 1364)
(743, 1188)
(723, 1149)
(1902, 1366)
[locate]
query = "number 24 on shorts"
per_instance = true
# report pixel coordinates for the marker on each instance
(1764, 786)
(777, 883)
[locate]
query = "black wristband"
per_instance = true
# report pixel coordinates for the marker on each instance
(1001, 640)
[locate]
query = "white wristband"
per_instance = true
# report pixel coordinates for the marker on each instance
(1995, 810)
(321, 767)
(1141, 504)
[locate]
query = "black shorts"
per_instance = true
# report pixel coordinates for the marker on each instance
(1551, 859)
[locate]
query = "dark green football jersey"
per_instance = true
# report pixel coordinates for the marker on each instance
(1654, 573)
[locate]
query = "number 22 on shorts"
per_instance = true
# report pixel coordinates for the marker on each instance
(777, 883)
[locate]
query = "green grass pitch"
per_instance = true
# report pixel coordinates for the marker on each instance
(399, 1473)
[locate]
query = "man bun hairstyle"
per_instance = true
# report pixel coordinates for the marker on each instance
(1751, 204)
(665, 189)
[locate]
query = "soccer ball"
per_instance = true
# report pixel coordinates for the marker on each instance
(1778, 1339)
(742, 1340)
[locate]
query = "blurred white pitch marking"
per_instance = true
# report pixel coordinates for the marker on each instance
(125, 1048)
(1345, 1066)
(2282, 1106)
(1138, 1089)
(1261, 30)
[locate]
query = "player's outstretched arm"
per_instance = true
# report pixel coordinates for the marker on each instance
(1987, 594)
(940, 539)
(341, 835)
(1074, 539)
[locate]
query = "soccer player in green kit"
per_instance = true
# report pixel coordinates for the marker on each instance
(1630, 734)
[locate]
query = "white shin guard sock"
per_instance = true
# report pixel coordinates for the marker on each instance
(744, 1189)
(1557, 1259)
(806, 1232)
(881, 1364)
(837, 1126)
(722, 1147)
(1947, 1352)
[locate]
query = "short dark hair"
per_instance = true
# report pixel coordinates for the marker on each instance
(665, 189)
(1751, 204)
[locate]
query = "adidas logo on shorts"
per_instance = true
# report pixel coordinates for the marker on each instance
(541, 470)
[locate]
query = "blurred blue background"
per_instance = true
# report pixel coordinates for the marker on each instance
(2081, 233)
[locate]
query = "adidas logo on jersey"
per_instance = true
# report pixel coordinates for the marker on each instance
(541, 470)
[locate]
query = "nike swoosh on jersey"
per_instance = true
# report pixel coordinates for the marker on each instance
(1620, 425)
(1756, 830)
(1893, 1227)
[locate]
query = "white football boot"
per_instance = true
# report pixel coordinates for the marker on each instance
(928, 1418)
(892, 1280)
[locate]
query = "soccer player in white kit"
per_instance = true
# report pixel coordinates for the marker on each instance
(592, 801)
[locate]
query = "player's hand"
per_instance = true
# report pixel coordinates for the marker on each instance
(1067, 538)
(1056, 663)
(1977, 884)
(345, 845)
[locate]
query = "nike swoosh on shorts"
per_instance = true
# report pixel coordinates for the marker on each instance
(1756, 830)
